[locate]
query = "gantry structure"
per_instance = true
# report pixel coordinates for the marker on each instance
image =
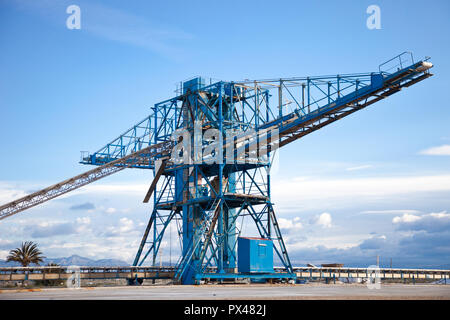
(211, 148)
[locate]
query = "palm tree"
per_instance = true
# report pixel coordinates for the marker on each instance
(27, 253)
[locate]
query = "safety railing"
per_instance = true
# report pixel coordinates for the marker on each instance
(397, 63)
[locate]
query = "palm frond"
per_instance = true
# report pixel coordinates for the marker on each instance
(27, 254)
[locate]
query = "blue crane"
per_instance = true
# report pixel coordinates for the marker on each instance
(211, 147)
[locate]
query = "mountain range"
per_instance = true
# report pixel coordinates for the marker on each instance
(74, 260)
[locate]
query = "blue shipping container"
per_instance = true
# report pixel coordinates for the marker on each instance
(255, 255)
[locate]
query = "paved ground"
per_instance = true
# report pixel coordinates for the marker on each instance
(308, 291)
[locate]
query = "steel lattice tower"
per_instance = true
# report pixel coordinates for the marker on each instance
(210, 150)
(209, 197)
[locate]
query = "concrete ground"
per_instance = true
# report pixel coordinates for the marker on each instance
(223, 292)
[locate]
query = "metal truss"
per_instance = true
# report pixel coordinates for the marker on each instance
(206, 199)
(139, 158)
(305, 104)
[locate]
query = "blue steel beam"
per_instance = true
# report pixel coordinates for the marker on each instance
(327, 97)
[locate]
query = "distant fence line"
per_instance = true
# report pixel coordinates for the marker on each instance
(92, 273)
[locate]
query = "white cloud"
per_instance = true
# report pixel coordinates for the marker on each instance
(409, 211)
(443, 150)
(324, 239)
(5, 243)
(406, 218)
(315, 190)
(367, 166)
(290, 224)
(82, 225)
(110, 210)
(432, 222)
(45, 229)
(323, 220)
(3, 254)
(116, 248)
(9, 193)
(134, 189)
(84, 220)
(124, 226)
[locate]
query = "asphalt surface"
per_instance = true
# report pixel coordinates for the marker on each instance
(245, 292)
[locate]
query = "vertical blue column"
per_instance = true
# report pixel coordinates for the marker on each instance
(220, 226)
(155, 139)
(230, 252)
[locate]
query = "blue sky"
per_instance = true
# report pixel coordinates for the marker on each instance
(375, 183)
